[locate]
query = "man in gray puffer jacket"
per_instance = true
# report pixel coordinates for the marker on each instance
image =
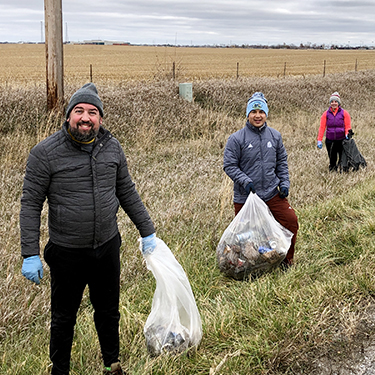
(83, 173)
(256, 160)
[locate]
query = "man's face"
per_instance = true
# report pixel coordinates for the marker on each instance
(84, 122)
(334, 104)
(257, 118)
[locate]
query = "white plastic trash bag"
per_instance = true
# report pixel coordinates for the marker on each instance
(174, 323)
(254, 241)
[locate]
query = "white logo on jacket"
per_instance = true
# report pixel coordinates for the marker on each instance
(269, 144)
(250, 146)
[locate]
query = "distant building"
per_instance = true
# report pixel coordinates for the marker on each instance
(105, 43)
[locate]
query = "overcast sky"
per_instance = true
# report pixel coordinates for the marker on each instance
(197, 22)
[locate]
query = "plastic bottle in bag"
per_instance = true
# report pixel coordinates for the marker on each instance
(242, 237)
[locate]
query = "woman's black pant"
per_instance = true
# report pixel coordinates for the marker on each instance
(334, 149)
(71, 270)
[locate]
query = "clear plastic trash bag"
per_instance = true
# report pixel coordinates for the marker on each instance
(254, 242)
(174, 323)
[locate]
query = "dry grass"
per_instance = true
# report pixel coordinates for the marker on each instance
(271, 325)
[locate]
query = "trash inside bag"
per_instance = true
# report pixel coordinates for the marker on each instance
(163, 339)
(253, 243)
(174, 323)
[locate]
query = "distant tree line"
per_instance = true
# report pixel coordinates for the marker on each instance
(307, 45)
(275, 46)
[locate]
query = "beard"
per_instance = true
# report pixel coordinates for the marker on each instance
(85, 136)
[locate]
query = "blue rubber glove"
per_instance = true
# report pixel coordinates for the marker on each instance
(319, 145)
(250, 188)
(148, 244)
(284, 192)
(32, 269)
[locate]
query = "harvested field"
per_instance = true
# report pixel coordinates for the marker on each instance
(25, 63)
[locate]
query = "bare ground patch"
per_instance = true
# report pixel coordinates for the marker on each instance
(354, 355)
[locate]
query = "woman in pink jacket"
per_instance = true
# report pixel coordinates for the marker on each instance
(335, 122)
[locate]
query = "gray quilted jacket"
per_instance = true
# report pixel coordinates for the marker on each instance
(256, 155)
(84, 189)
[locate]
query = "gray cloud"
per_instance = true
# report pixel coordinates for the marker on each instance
(197, 22)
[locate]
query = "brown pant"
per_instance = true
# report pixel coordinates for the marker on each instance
(285, 215)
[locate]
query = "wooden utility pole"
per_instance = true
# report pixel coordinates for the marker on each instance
(54, 54)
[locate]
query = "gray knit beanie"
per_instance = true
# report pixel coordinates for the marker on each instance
(335, 96)
(86, 94)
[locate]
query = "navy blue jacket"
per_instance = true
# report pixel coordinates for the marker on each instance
(256, 155)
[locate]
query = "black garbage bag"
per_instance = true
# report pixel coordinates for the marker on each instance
(351, 157)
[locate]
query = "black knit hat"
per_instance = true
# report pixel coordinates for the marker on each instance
(86, 94)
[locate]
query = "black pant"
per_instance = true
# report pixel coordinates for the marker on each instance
(71, 271)
(334, 149)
